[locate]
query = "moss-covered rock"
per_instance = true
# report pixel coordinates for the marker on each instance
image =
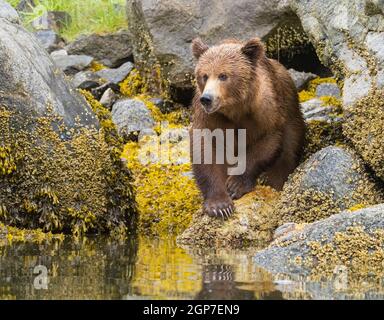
(332, 180)
(364, 126)
(60, 158)
(252, 224)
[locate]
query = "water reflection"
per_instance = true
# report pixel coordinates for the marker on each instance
(145, 268)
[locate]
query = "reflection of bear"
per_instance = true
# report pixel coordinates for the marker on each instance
(238, 87)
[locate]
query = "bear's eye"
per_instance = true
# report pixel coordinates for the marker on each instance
(205, 78)
(223, 77)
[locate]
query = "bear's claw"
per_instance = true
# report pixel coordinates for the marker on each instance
(219, 208)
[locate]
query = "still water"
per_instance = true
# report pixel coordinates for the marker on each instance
(144, 268)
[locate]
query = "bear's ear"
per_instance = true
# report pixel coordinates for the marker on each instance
(253, 49)
(198, 47)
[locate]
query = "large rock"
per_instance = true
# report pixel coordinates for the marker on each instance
(57, 171)
(112, 49)
(162, 31)
(348, 37)
(332, 180)
(30, 81)
(353, 241)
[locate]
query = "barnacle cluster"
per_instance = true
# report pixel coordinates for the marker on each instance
(364, 127)
(359, 251)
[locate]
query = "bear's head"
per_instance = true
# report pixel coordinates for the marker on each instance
(224, 73)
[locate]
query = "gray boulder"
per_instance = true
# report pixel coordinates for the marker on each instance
(299, 251)
(162, 31)
(50, 40)
(131, 115)
(116, 76)
(25, 65)
(72, 64)
(328, 90)
(332, 180)
(8, 12)
(86, 80)
(111, 49)
(301, 79)
(348, 38)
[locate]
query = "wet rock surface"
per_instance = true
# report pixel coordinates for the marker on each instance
(28, 79)
(328, 89)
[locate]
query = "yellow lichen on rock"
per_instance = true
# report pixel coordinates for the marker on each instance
(134, 85)
(96, 66)
(310, 92)
(166, 196)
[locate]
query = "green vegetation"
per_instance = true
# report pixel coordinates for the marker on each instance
(94, 16)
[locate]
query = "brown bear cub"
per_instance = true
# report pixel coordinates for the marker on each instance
(238, 87)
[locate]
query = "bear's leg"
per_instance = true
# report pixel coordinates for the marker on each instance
(261, 155)
(211, 181)
(278, 174)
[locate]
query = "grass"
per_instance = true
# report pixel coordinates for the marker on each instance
(88, 16)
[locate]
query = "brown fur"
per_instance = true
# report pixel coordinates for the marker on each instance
(259, 96)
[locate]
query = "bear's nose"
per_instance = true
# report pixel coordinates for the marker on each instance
(206, 100)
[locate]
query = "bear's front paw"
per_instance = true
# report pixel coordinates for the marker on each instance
(219, 208)
(237, 186)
